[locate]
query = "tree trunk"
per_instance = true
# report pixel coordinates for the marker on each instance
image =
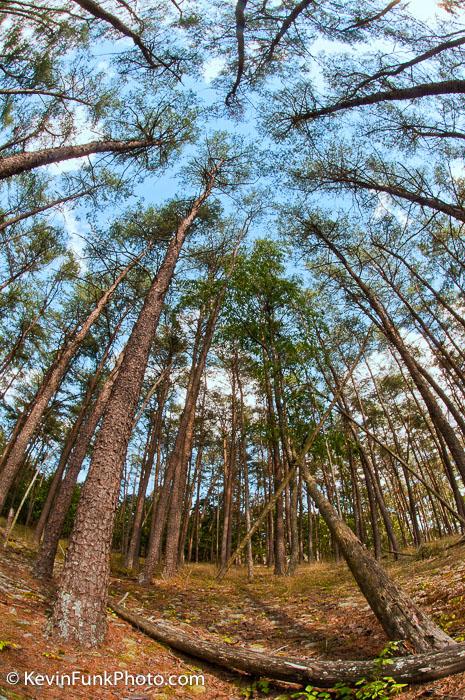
(71, 438)
(173, 526)
(245, 469)
(23, 162)
(79, 612)
(437, 416)
(325, 674)
(160, 514)
(50, 384)
(134, 544)
(399, 616)
(54, 526)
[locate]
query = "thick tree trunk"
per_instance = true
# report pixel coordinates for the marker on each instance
(23, 162)
(325, 674)
(399, 616)
(50, 384)
(55, 523)
(79, 612)
(173, 526)
(71, 439)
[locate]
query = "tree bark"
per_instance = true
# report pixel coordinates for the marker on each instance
(71, 439)
(24, 162)
(325, 674)
(160, 513)
(134, 543)
(50, 384)
(54, 526)
(445, 87)
(399, 616)
(79, 612)
(245, 468)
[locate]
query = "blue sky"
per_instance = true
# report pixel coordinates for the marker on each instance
(158, 187)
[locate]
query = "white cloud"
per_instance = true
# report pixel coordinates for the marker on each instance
(212, 68)
(386, 205)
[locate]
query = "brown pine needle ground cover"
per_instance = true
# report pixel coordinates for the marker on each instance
(317, 613)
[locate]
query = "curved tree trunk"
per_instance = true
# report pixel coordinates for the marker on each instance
(55, 523)
(50, 385)
(79, 612)
(23, 162)
(321, 673)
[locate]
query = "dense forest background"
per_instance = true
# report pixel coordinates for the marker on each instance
(232, 277)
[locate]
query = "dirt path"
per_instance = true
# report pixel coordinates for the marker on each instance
(317, 613)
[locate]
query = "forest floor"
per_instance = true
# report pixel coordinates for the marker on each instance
(316, 613)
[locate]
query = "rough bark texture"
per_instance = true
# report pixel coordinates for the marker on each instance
(49, 386)
(399, 616)
(54, 527)
(23, 162)
(410, 669)
(79, 612)
(70, 442)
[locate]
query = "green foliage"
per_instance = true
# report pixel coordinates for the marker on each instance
(256, 689)
(311, 693)
(381, 688)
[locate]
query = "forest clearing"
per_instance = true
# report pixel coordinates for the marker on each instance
(232, 365)
(317, 613)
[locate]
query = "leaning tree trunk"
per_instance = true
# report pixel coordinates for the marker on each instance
(79, 612)
(420, 377)
(56, 520)
(173, 525)
(51, 382)
(23, 162)
(399, 616)
(71, 438)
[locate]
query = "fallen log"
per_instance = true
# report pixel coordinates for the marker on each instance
(418, 668)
